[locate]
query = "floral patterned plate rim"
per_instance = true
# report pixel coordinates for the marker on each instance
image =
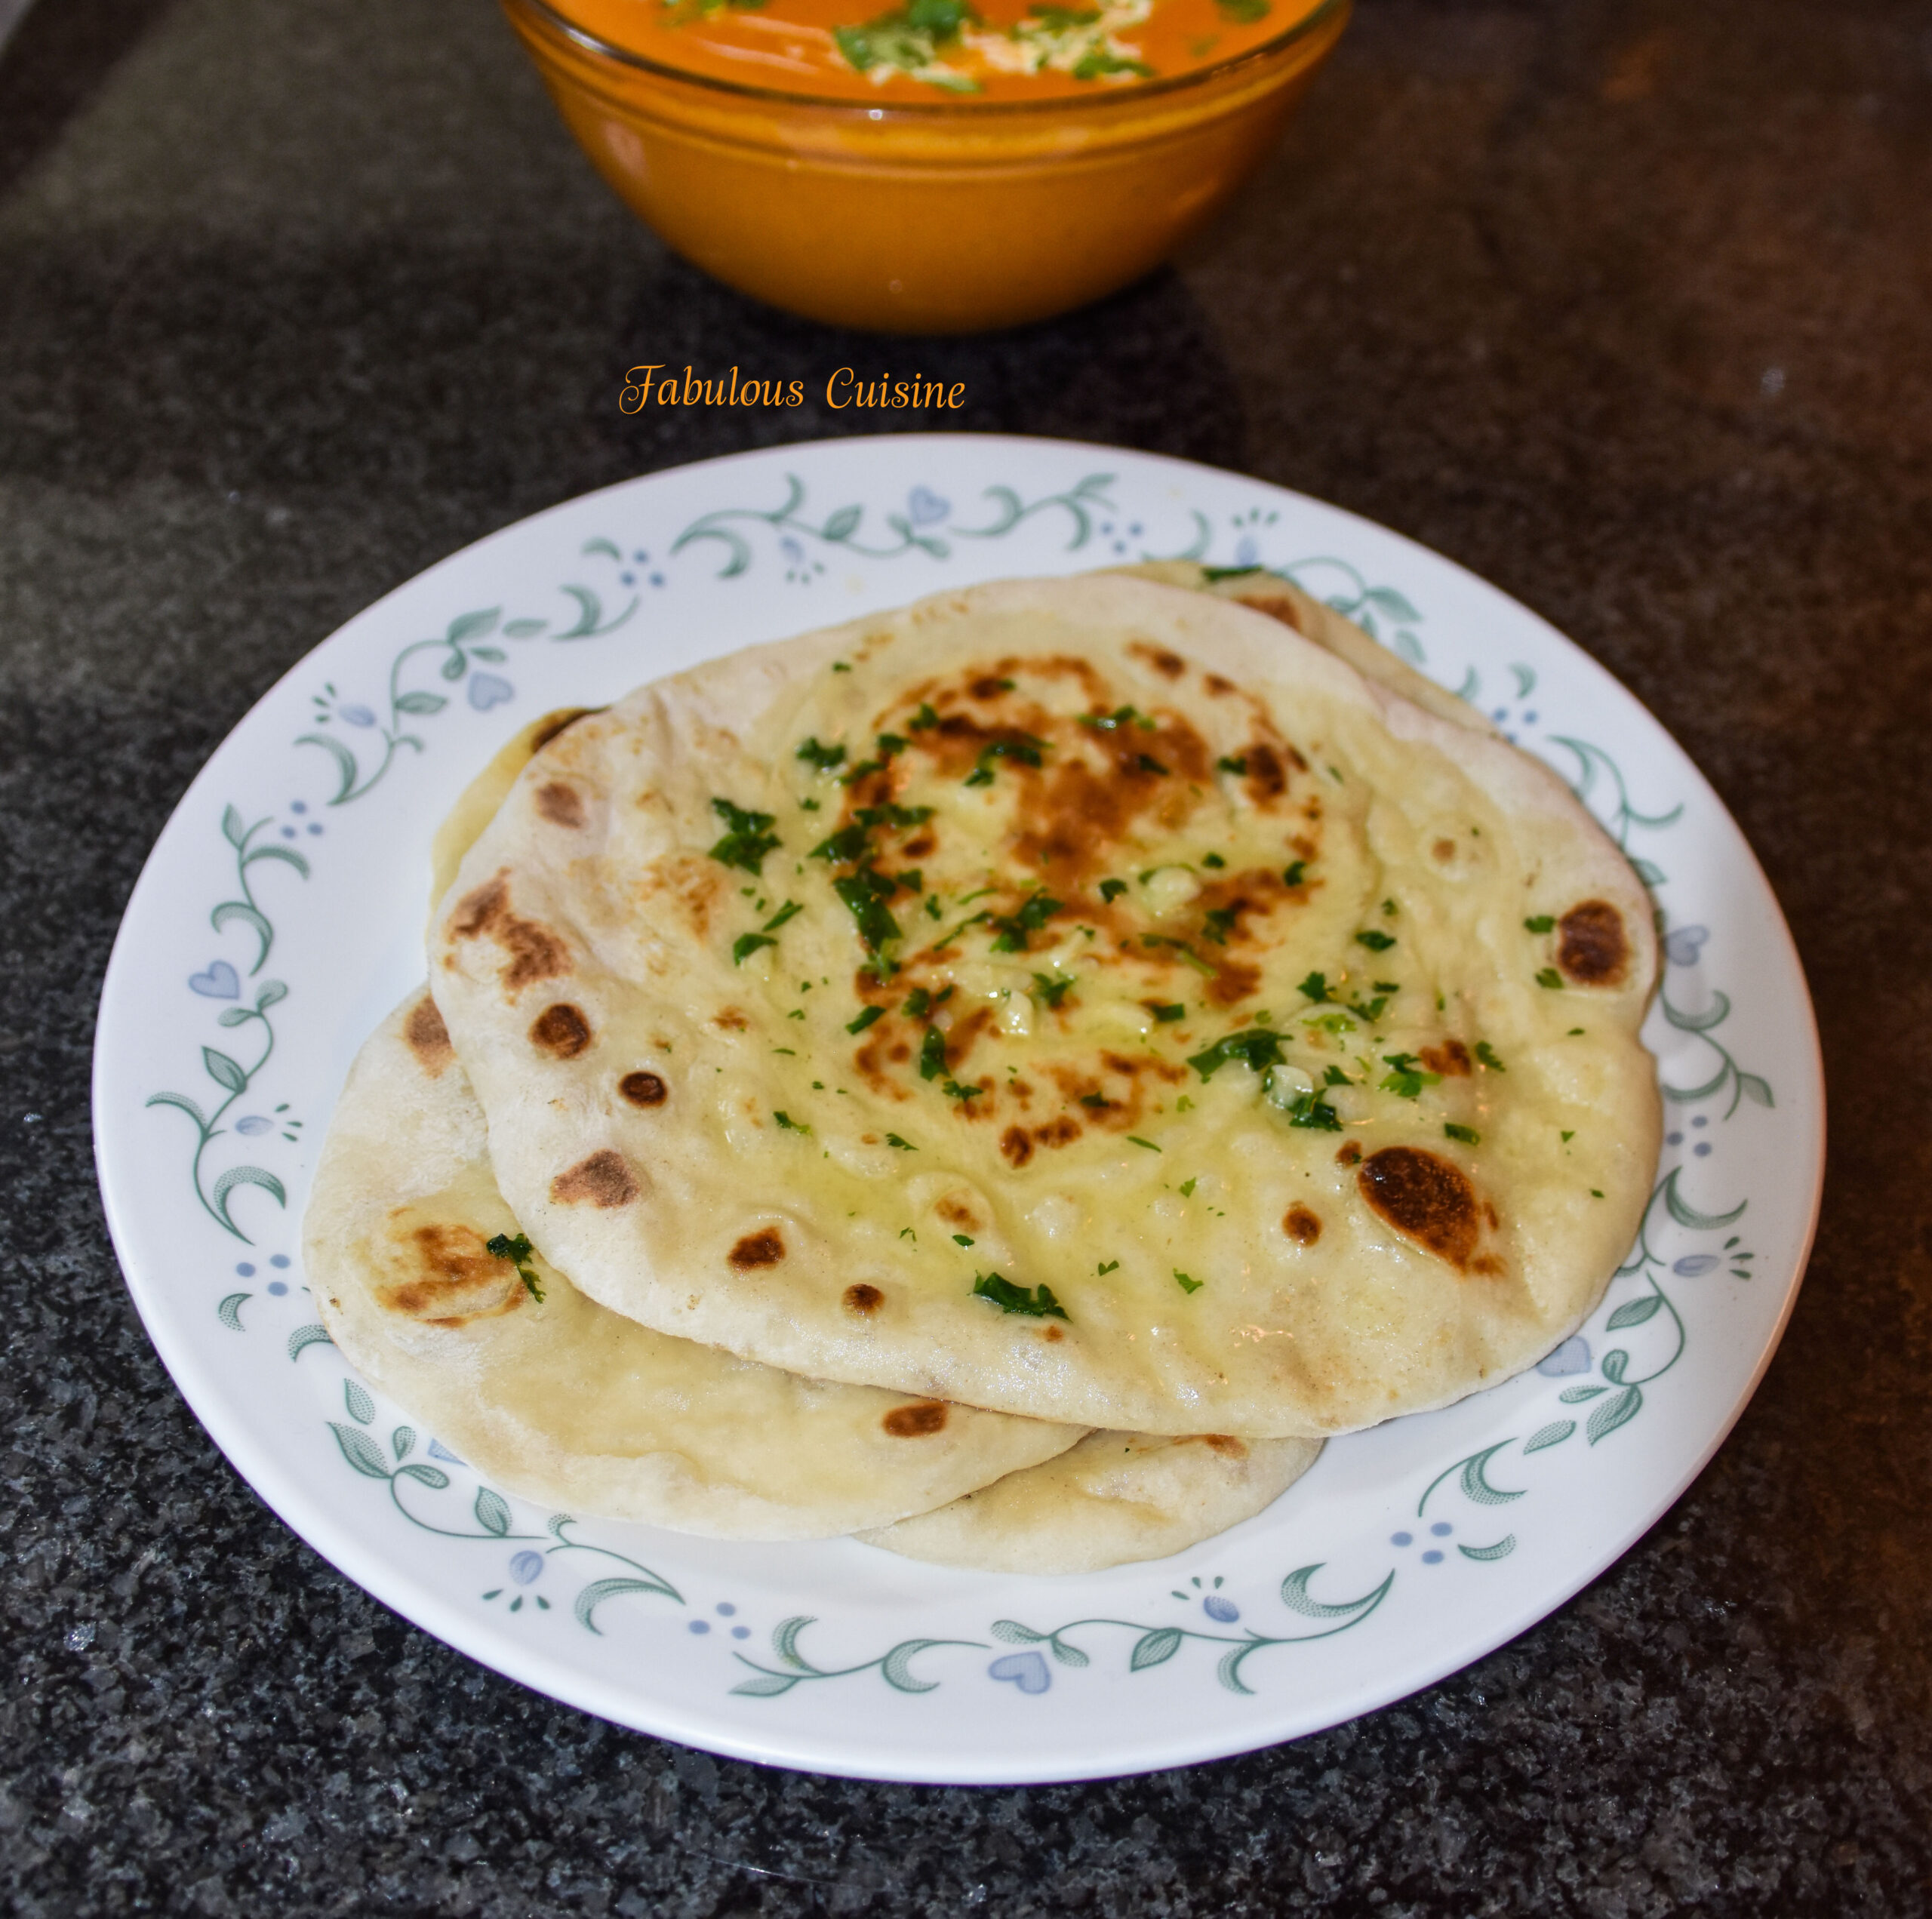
(279, 916)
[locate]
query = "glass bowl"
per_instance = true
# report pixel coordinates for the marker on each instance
(921, 217)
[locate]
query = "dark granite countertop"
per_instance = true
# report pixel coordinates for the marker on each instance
(1624, 305)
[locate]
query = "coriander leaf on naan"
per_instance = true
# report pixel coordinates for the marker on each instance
(426, 1283)
(1082, 998)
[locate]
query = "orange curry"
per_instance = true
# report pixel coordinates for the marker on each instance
(962, 49)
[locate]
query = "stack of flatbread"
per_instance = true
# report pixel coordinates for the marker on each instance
(1006, 1079)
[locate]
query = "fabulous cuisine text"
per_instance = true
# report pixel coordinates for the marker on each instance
(643, 387)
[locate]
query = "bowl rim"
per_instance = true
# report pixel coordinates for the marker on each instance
(1112, 100)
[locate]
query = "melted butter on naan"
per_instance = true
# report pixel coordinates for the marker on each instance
(1277, 1038)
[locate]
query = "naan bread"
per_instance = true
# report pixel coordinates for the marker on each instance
(1082, 998)
(1116, 1496)
(566, 1402)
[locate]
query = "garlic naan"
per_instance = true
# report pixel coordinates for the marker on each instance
(1082, 998)
(562, 1400)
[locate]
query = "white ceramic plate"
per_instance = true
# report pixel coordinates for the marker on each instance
(279, 918)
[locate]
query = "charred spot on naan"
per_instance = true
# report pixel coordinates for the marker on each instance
(1593, 947)
(917, 1421)
(1451, 1059)
(450, 1276)
(1275, 605)
(561, 804)
(862, 1301)
(644, 1089)
(1432, 1201)
(561, 1030)
(1302, 1225)
(604, 1180)
(1225, 1443)
(690, 884)
(533, 951)
(428, 1037)
(957, 1210)
(765, 1248)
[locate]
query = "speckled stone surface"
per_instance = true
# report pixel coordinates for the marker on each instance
(1623, 304)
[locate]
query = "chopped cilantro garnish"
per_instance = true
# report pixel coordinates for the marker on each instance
(924, 719)
(1013, 927)
(1107, 1266)
(839, 666)
(913, 880)
(847, 844)
(953, 1089)
(1568, 1136)
(1234, 763)
(869, 1016)
(1094, 1099)
(1024, 751)
(972, 919)
(1187, 1186)
(917, 1002)
(1293, 875)
(1309, 1109)
(893, 814)
(1389, 986)
(1134, 1139)
(1038, 1304)
(890, 743)
(1550, 977)
(789, 910)
(1596, 1192)
(932, 1053)
(747, 843)
(1468, 1135)
(1375, 940)
(1143, 762)
(1187, 1284)
(1219, 923)
(1121, 715)
(910, 39)
(1051, 992)
(1486, 1056)
(786, 1124)
(1213, 859)
(518, 1251)
(1388, 909)
(962, 1239)
(899, 1145)
(1334, 1076)
(1542, 923)
(1405, 1079)
(932, 907)
(1168, 1013)
(865, 894)
(1256, 1048)
(1315, 988)
(1112, 889)
(824, 757)
(747, 944)
(1575, 1032)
